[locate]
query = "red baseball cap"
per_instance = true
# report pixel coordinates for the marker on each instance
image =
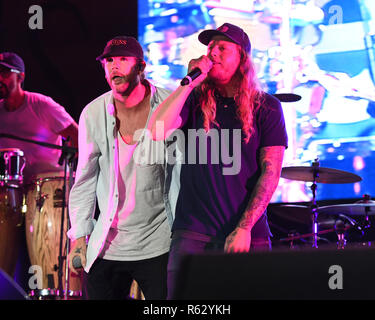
(122, 46)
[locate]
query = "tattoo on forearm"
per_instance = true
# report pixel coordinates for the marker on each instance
(271, 162)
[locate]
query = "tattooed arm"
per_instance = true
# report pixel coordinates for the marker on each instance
(78, 249)
(271, 159)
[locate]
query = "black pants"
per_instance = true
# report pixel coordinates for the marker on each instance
(111, 280)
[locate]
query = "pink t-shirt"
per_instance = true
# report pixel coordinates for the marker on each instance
(39, 118)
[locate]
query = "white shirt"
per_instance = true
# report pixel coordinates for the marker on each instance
(140, 229)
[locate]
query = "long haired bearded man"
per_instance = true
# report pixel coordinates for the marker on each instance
(218, 204)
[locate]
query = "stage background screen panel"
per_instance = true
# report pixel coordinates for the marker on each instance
(320, 50)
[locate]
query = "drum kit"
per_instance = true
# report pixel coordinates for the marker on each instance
(337, 212)
(39, 209)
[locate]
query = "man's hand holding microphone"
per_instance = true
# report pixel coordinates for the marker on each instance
(198, 69)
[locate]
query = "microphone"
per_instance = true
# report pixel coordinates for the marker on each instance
(77, 262)
(192, 75)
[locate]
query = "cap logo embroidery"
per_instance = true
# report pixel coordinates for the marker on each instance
(117, 42)
(223, 29)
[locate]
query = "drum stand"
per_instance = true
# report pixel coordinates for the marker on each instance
(66, 158)
(314, 174)
(313, 207)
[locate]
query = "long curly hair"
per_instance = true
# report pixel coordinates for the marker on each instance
(248, 97)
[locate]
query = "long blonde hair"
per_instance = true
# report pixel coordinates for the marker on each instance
(248, 97)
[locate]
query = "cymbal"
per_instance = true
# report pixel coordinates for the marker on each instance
(324, 175)
(355, 209)
(287, 97)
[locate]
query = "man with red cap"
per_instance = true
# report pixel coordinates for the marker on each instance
(121, 168)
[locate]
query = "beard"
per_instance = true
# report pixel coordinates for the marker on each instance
(220, 76)
(127, 83)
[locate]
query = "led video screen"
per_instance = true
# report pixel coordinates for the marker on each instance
(322, 51)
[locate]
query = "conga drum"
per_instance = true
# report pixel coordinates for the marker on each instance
(12, 207)
(11, 218)
(44, 201)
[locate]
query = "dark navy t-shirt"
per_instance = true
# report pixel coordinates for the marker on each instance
(220, 169)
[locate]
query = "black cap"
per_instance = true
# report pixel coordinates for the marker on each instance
(122, 46)
(229, 30)
(12, 61)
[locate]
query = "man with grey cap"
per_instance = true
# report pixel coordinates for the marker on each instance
(121, 168)
(31, 115)
(217, 208)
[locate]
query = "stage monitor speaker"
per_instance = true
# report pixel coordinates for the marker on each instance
(278, 275)
(10, 290)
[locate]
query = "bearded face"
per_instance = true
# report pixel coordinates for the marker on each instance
(8, 82)
(122, 74)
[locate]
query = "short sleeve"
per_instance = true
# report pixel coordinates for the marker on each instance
(189, 106)
(53, 114)
(272, 123)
